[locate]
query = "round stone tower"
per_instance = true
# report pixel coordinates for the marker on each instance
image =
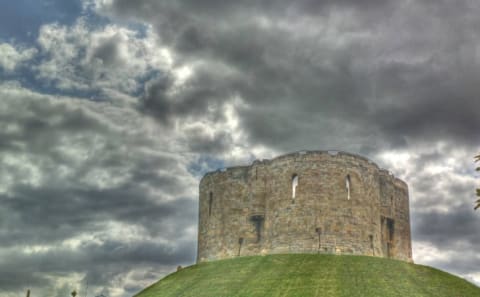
(304, 202)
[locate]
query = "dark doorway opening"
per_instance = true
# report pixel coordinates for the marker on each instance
(240, 243)
(257, 221)
(388, 237)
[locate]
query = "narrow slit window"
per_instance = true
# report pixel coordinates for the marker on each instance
(294, 185)
(348, 185)
(210, 202)
(240, 243)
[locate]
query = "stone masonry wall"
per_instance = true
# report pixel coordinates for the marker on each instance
(250, 210)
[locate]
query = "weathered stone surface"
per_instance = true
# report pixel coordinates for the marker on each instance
(249, 210)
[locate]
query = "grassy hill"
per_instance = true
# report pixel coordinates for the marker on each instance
(310, 275)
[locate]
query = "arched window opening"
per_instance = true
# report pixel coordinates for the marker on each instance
(348, 185)
(210, 202)
(294, 185)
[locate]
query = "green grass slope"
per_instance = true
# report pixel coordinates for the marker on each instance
(310, 275)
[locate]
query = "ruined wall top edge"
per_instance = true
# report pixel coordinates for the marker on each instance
(331, 153)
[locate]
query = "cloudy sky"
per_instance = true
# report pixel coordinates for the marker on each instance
(111, 111)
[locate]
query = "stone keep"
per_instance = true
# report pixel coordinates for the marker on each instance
(304, 202)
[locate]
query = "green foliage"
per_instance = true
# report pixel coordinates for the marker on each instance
(305, 275)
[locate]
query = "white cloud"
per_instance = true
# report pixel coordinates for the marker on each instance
(474, 278)
(107, 59)
(11, 57)
(427, 254)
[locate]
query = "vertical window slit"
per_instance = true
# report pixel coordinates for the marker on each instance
(348, 185)
(294, 185)
(240, 243)
(210, 202)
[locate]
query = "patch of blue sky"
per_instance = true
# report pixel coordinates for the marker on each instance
(27, 79)
(26, 75)
(48, 89)
(20, 20)
(204, 164)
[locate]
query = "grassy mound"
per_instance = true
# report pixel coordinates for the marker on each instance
(310, 275)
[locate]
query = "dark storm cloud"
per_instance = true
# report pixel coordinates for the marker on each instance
(67, 201)
(37, 131)
(60, 159)
(146, 8)
(454, 234)
(102, 261)
(74, 211)
(202, 95)
(397, 71)
(108, 51)
(15, 278)
(200, 141)
(449, 230)
(362, 76)
(427, 103)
